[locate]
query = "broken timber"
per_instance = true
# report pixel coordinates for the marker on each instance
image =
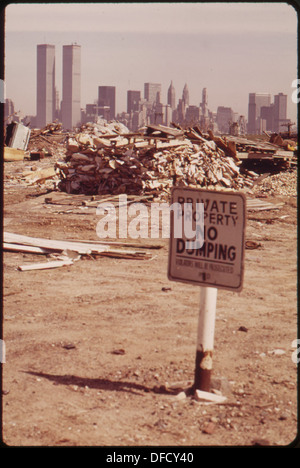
(45, 265)
(79, 247)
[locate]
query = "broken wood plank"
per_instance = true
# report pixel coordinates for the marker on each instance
(13, 154)
(79, 247)
(259, 205)
(123, 244)
(52, 244)
(40, 175)
(45, 265)
(25, 248)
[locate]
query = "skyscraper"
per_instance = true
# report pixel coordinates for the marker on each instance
(152, 92)
(280, 108)
(9, 109)
(71, 92)
(204, 102)
(186, 95)
(107, 99)
(171, 96)
(45, 98)
(225, 116)
(133, 101)
(256, 102)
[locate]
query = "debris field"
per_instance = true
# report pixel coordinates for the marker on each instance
(100, 345)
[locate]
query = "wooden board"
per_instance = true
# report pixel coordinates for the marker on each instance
(255, 204)
(45, 265)
(56, 245)
(25, 248)
(79, 247)
(13, 154)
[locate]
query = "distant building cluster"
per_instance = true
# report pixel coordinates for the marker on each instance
(263, 115)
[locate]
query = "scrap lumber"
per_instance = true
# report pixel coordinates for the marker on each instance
(13, 154)
(45, 265)
(50, 244)
(254, 204)
(79, 247)
(126, 244)
(172, 158)
(25, 248)
(164, 131)
(40, 175)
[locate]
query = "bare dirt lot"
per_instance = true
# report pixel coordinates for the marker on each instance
(96, 352)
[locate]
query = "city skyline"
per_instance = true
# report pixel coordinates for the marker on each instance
(129, 59)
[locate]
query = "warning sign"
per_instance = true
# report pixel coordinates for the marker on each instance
(215, 255)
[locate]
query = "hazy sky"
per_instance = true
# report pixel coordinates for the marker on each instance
(231, 49)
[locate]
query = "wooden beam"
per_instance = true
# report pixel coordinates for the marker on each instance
(25, 248)
(56, 245)
(45, 265)
(13, 154)
(79, 247)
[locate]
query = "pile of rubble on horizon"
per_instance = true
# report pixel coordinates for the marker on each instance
(283, 183)
(105, 158)
(46, 142)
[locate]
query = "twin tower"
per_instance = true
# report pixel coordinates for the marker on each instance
(48, 106)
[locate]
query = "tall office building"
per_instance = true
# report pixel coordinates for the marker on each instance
(152, 92)
(225, 116)
(280, 109)
(171, 96)
(186, 96)
(71, 92)
(107, 101)
(45, 99)
(204, 102)
(9, 110)
(133, 101)
(267, 116)
(256, 102)
(192, 115)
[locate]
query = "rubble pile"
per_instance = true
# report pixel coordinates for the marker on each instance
(47, 142)
(103, 159)
(283, 183)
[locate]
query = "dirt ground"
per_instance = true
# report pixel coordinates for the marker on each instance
(96, 353)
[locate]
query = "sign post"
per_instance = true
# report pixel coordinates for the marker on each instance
(214, 261)
(205, 338)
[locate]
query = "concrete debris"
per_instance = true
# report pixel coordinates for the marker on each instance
(283, 183)
(201, 395)
(181, 396)
(208, 428)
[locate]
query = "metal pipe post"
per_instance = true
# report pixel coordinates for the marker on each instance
(205, 338)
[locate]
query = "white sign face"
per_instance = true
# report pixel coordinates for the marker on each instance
(218, 258)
